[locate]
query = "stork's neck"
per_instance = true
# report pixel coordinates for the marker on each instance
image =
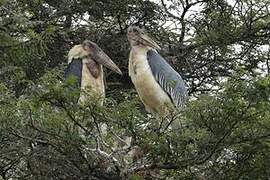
(140, 48)
(138, 51)
(94, 68)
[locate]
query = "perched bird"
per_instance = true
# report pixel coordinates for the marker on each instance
(160, 88)
(85, 64)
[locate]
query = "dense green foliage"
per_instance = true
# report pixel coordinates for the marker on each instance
(220, 47)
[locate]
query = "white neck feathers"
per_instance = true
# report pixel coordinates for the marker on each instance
(77, 52)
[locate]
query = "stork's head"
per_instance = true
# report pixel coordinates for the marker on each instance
(137, 36)
(96, 53)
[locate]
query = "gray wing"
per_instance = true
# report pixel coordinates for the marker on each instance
(168, 78)
(74, 70)
(73, 74)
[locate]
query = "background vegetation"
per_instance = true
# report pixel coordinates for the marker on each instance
(220, 47)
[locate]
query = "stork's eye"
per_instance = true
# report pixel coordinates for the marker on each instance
(92, 45)
(89, 45)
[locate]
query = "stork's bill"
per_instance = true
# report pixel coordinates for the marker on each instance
(100, 56)
(85, 64)
(159, 86)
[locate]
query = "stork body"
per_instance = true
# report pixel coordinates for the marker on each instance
(89, 81)
(91, 78)
(161, 89)
(85, 63)
(154, 98)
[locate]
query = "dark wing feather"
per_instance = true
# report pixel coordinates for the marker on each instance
(74, 70)
(168, 78)
(73, 77)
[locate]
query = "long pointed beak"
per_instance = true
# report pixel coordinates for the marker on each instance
(148, 41)
(102, 58)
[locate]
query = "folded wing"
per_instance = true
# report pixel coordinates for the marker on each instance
(169, 80)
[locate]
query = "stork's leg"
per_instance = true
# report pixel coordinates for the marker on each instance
(167, 118)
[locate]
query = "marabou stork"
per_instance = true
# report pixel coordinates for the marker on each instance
(85, 64)
(160, 88)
